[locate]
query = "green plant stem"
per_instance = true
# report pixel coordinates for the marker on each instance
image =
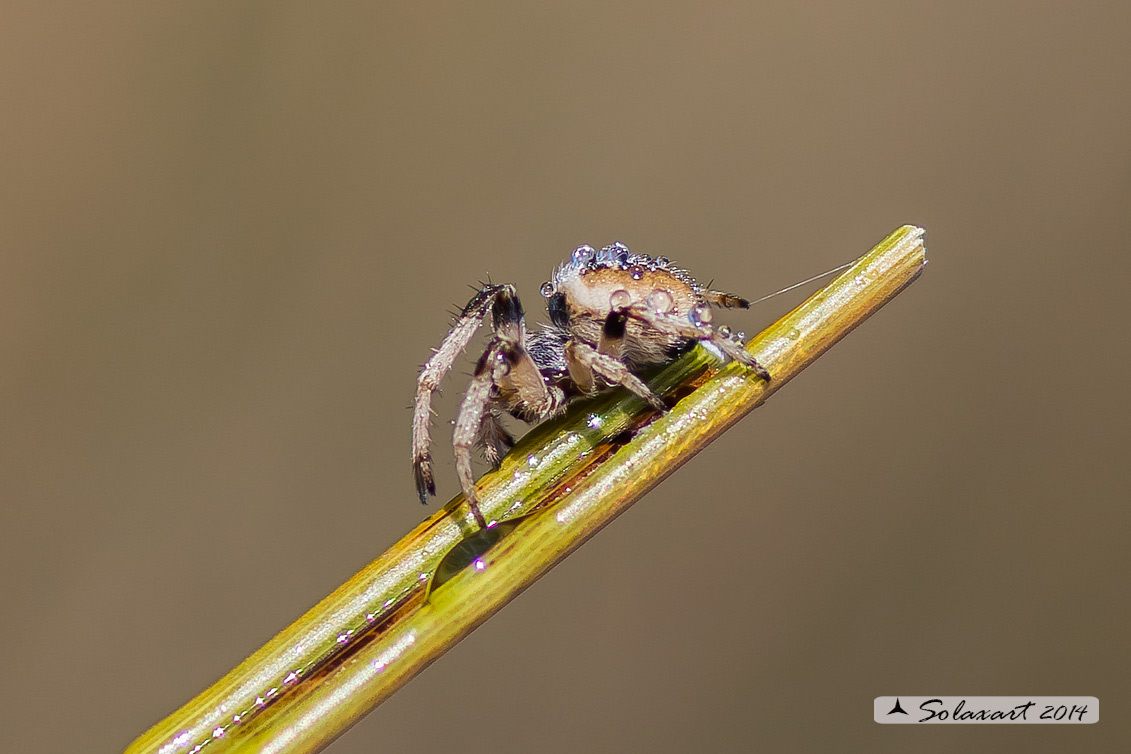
(560, 485)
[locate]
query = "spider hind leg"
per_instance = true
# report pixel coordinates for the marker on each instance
(433, 373)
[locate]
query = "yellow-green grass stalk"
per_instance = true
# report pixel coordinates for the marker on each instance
(561, 484)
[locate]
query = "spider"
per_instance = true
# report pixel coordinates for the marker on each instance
(612, 313)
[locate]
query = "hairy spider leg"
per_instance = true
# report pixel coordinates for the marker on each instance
(506, 377)
(704, 331)
(433, 373)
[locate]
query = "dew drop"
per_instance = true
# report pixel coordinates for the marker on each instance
(619, 299)
(616, 252)
(547, 289)
(724, 331)
(700, 315)
(583, 254)
(660, 301)
(636, 271)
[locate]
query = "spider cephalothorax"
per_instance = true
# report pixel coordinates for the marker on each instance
(612, 312)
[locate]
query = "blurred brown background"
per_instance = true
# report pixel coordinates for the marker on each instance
(229, 234)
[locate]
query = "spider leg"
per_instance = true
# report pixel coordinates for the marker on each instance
(720, 338)
(523, 389)
(582, 375)
(491, 368)
(494, 440)
(506, 378)
(585, 361)
(432, 374)
(729, 300)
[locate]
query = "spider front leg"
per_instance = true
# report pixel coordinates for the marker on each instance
(698, 327)
(585, 362)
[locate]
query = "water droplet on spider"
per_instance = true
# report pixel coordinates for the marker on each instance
(594, 421)
(700, 315)
(531, 460)
(583, 254)
(740, 336)
(660, 301)
(619, 299)
(724, 331)
(663, 261)
(547, 289)
(636, 271)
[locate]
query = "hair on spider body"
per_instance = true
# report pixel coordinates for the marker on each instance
(612, 313)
